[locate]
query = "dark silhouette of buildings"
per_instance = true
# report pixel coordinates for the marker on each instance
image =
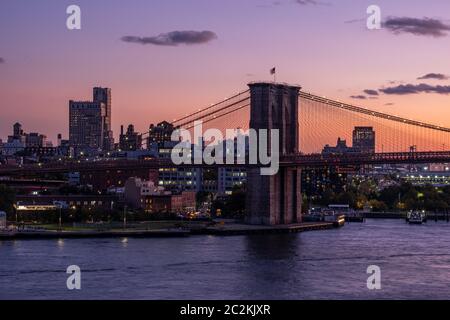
(364, 139)
(159, 134)
(363, 142)
(131, 140)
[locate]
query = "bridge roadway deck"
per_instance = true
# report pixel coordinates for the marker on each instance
(299, 160)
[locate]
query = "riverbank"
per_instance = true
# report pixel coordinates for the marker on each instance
(225, 229)
(402, 215)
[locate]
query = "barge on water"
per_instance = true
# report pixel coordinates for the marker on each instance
(338, 214)
(416, 217)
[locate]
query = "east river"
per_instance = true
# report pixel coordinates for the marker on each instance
(414, 261)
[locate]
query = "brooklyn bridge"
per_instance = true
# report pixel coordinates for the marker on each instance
(306, 122)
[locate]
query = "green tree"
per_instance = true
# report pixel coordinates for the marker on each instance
(202, 197)
(232, 206)
(7, 199)
(377, 205)
(236, 203)
(346, 198)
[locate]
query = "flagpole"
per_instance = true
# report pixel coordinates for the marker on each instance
(274, 72)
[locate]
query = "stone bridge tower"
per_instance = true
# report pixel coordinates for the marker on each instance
(276, 199)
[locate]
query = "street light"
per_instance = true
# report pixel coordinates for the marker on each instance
(60, 217)
(125, 217)
(15, 212)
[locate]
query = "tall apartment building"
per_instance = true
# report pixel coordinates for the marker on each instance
(86, 125)
(103, 95)
(90, 123)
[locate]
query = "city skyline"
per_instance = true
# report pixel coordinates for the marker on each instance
(198, 151)
(46, 66)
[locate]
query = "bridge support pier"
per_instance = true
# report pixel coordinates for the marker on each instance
(274, 200)
(277, 199)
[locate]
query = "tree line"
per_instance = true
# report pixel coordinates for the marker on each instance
(397, 197)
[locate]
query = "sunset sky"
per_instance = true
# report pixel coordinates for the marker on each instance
(158, 71)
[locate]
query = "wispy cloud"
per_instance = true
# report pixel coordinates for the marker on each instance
(306, 2)
(415, 89)
(419, 27)
(299, 2)
(389, 104)
(359, 97)
(312, 2)
(371, 92)
(174, 38)
(2, 60)
(355, 21)
(435, 76)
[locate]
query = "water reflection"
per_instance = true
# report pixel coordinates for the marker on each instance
(124, 242)
(60, 243)
(273, 247)
(327, 264)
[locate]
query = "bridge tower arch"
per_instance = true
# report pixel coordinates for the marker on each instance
(277, 199)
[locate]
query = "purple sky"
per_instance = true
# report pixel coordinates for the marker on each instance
(323, 46)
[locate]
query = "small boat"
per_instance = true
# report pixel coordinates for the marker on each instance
(325, 215)
(416, 217)
(337, 219)
(354, 217)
